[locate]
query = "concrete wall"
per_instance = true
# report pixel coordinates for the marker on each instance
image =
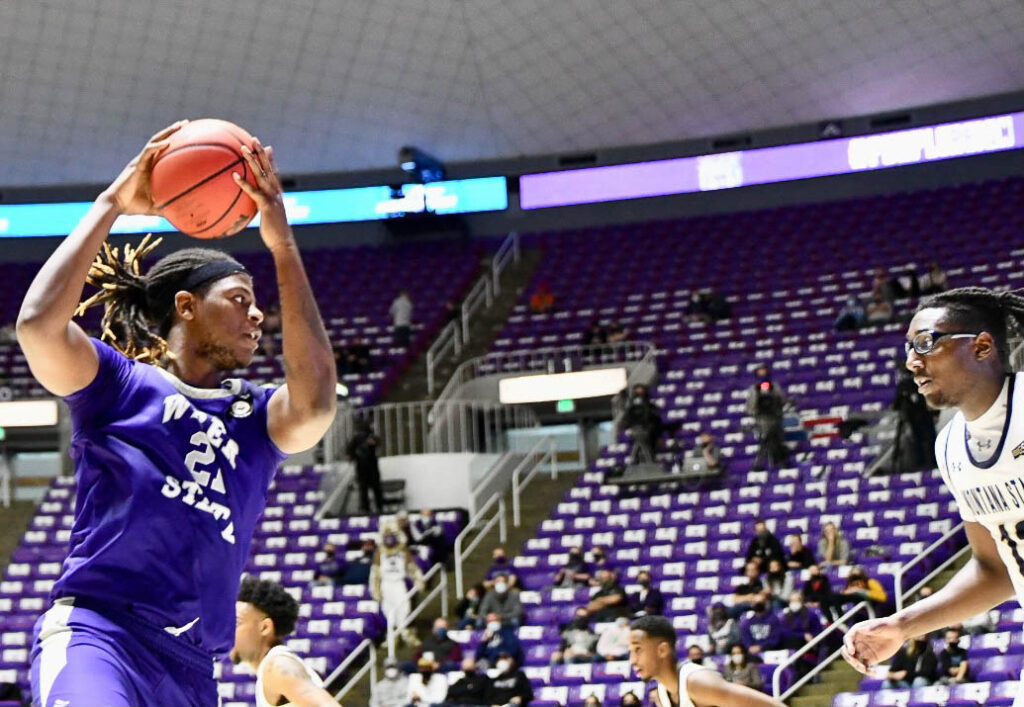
(436, 480)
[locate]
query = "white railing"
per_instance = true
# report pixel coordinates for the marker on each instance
(369, 666)
(442, 588)
(840, 622)
(5, 480)
(535, 460)
(508, 252)
(448, 343)
(479, 297)
(497, 519)
(552, 359)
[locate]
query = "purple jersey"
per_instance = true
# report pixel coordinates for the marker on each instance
(171, 480)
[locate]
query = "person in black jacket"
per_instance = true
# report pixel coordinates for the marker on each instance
(511, 686)
(473, 688)
(764, 546)
(648, 600)
(642, 422)
(362, 450)
(914, 665)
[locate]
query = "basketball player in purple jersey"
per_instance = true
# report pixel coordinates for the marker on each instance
(172, 463)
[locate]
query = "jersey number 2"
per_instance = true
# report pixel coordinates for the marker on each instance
(1014, 542)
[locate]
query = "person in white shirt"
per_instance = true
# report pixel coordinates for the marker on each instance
(401, 318)
(427, 686)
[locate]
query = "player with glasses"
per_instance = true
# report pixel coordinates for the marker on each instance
(980, 454)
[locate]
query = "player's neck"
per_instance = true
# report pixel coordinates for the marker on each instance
(258, 658)
(668, 677)
(982, 397)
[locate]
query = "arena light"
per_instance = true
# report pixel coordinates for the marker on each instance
(562, 386)
(28, 413)
(414, 161)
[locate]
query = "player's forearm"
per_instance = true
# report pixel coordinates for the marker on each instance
(55, 291)
(308, 360)
(974, 589)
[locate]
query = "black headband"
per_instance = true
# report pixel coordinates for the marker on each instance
(160, 299)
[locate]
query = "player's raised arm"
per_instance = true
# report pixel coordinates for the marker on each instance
(285, 676)
(302, 410)
(59, 353)
(707, 687)
(981, 584)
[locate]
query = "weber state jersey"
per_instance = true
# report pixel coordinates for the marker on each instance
(171, 480)
(990, 490)
(281, 649)
(685, 671)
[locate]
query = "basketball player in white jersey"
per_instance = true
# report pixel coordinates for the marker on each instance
(957, 349)
(266, 613)
(652, 653)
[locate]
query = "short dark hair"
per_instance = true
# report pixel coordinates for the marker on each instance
(273, 600)
(656, 627)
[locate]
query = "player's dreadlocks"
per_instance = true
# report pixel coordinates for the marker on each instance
(139, 309)
(273, 600)
(979, 309)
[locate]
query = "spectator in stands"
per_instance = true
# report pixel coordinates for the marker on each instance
(761, 630)
(629, 700)
(887, 288)
(766, 403)
(452, 311)
(510, 686)
(741, 670)
(362, 451)
(577, 641)
(332, 569)
(722, 628)
(405, 527)
(357, 356)
(698, 308)
(860, 587)
(799, 556)
(718, 307)
(879, 310)
(642, 422)
(358, 570)
(934, 280)
(595, 334)
(542, 300)
(764, 546)
(497, 640)
(393, 689)
(401, 318)
(575, 573)
(468, 609)
(500, 565)
(778, 581)
(617, 333)
(833, 547)
(272, 320)
(914, 665)
(800, 624)
(695, 654)
(472, 689)
(953, 665)
(750, 591)
(817, 590)
(648, 600)
(707, 450)
(914, 449)
(503, 600)
(446, 652)
(614, 641)
(426, 685)
(609, 601)
(598, 561)
(851, 317)
(428, 532)
(591, 701)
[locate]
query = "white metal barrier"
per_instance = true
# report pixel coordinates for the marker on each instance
(534, 461)
(497, 519)
(442, 588)
(903, 569)
(447, 343)
(508, 252)
(5, 481)
(370, 666)
(479, 297)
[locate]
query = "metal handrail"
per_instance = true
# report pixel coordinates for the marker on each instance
(5, 481)
(902, 569)
(518, 486)
(448, 342)
(508, 250)
(479, 296)
(499, 517)
(442, 587)
(370, 665)
(837, 624)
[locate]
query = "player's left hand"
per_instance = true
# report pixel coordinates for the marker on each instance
(268, 194)
(872, 642)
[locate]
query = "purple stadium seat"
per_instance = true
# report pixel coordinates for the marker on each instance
(999, 668)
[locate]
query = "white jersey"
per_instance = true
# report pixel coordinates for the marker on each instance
(990, 491)
(685, 671)
(392, 567)
(281, 649)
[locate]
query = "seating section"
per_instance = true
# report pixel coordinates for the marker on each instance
(354, 288)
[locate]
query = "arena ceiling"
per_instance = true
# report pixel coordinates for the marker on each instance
(341, 84)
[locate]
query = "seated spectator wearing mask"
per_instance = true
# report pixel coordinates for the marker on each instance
(358, 570)
(914, 665)
(761, 630)
(648, 600)
(800, 625)
(510, 686)
(473, 689)
(501, 565)
(609, 601)
(495, 641)
(629, 700)
(428, 532)
(468, 608)
(764, 546)
(614, 641)
(860, 587)
(332, 569)
(503, 601)
(446, 652)
(576, 572)
(598, 561)
(741, 670)
(578, 641)
(695, 654)
(799, 556)
(750, 591)
(426, 685)
(393, 689)
(953, 666)
(723, 630)
(778, 581)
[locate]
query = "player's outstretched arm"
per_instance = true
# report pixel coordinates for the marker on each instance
(707, 687)
(981, 584)
(59, 353)
(284, 676)
(301, 411)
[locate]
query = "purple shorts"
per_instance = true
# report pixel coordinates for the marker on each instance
(81, 658)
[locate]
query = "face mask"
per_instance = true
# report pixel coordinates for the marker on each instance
(953, 644)
(441, 633)
(759, 607)
(391, 673)
(500, 587)
(622, 622)
(494, 626)
(698, 661)
(795, 606)
(426, 674)
(499, 560)
(736, 658)
(503, 666)
(390, 541)
(579, 622)
(644, 583)
(598, 558)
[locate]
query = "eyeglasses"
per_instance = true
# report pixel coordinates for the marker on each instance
(924, 342)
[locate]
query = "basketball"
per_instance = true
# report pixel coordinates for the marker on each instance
(191, 182)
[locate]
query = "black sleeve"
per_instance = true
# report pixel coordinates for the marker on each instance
(524, 689)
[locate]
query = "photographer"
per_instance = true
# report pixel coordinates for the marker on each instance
(765, 403)
(642, 422)
(362, 451)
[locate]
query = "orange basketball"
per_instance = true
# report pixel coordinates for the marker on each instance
(191, 181)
